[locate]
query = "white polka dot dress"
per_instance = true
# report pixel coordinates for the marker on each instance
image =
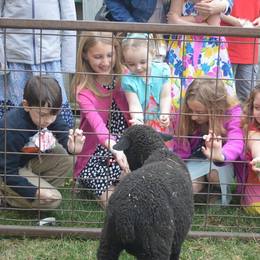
(102, 170)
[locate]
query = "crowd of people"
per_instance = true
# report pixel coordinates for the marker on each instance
(200, 89)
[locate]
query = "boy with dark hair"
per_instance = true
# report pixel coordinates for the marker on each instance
(33, 144)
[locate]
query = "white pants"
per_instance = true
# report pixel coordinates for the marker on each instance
(226, 175)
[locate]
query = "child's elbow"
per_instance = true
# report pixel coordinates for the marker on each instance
(173, 18)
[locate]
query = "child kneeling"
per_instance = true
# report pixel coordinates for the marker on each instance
(32, 164)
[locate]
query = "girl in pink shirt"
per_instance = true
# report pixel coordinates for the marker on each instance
(103, 113)
(208, 134)
(251, 124)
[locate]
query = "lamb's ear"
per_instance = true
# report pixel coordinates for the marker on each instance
(122, 144)
(166, 137)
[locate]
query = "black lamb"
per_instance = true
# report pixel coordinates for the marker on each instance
(150, 212)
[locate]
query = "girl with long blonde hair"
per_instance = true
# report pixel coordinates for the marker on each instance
(208, 132)
(103, 113)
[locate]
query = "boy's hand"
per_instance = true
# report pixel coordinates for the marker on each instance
(164, 120)
(76, 141)
(213, 147)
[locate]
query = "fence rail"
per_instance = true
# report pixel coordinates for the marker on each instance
(129, 27)
(208, 222)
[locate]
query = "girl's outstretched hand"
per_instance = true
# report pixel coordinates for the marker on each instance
(121, 160)
(136, 121)
(76, 141)
(164, 120)
(256, 166)
(213, 147)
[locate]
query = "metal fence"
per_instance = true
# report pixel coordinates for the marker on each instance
(79, 213)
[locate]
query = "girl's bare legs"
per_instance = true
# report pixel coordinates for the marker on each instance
(197, 184)
(103, 199)
(213, 177)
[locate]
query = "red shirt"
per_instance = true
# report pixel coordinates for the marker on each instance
(244, 50)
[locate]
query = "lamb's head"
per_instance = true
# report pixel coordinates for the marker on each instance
(138, 142)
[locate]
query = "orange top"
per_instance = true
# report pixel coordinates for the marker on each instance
(244, 50)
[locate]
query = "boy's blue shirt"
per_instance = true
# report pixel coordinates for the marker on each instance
(12, 141)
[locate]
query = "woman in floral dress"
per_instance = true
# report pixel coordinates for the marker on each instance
(193, 56)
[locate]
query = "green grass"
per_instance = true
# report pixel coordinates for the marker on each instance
(209, 249)
(80, 210)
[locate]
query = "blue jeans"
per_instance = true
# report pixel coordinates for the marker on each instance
(245, 76)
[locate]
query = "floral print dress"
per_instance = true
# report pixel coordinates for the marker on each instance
(192, 56)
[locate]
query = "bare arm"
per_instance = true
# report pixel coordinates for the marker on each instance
(210, 7)
(119, 155)
(232, 20)
(135, 108)
(254, 147)
(213, 20)
(165, 105)
(175, 16)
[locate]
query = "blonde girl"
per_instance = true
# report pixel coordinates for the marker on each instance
(251, 125)
(208, 131)
(103, 113)
(146, 84)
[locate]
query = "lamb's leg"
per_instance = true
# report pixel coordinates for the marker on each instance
(109, 247)
(156, 243)
(108, 251)
(175, 253)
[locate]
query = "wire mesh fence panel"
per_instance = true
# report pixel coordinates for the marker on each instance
(47, 181)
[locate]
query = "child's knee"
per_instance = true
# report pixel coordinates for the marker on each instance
(48, 198)
(213, 176)
(198, 184)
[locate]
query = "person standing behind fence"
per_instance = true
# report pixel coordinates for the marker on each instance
(131, 10)
(33, 144)
(192, 56)
(251, 124)
(152, 11)
(147, 84)
(103, 113)
(243, 52)
(208, 132)
(25, 52)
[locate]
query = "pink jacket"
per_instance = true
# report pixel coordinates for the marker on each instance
(94, 113)
(233, 147)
